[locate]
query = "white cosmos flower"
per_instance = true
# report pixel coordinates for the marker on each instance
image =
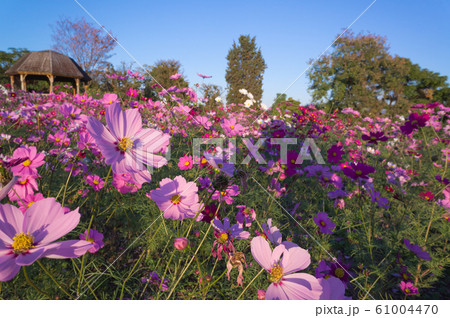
(248, 103)
(218, 99)
(243, 91)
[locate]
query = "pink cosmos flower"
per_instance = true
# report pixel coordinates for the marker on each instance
(177, 198)
(31, 161)
(175, 76)
(203, 75)
(185, 163)
(125, 144)
(281, 264)
(59, 138)
(29, 200)
(109, 99)
(231, 127)
(27, 237)
(408, 288)
(95, 181)
(324, 223)
(23, 187)
(94, 237)
(226, 195)
(204, 121)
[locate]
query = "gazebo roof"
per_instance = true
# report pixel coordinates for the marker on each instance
(48, 63)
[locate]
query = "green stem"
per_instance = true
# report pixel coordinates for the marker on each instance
(54, 280)
(33, 285)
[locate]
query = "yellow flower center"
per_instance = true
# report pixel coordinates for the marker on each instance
(30, 204)
(23, 182)
(334, 154)
(232, 126)
(204, 161)
(326, 276)
(95, 182)
(407, 290)
(339, 272)
(58, 139)
(373, 138)
(175, 199)
(322, 223)
(358, 172)
(186, 163)
(110, 101)
(220, 165)
(276, 274)
(223, 193)
(125, 143)
(292, 161)
(326, 179)
(223, 237)
(90, 240)
(22, 243)
(27, 162)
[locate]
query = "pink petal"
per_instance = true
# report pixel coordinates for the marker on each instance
(30, 257)
(67, 249)
(133, 122)
(8, 267)
(11, 220)
(301, 286)
(275, 292)
(298, 259)
(115, 119)
(261, 252)
(276, 254)
(99, 132)
(333, 289)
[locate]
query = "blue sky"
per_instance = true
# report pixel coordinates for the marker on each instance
(200, 33)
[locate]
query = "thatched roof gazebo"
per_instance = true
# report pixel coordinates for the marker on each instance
(51, 65)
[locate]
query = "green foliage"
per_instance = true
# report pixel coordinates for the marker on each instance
(7, 59)
(362, 74)
(211, 92)
(160, 75)
(245, 70)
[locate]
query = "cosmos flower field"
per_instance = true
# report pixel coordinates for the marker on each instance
(106, 197)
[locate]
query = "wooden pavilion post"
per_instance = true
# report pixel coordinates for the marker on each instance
(77, 83)
(50, 78)
(11, 77)
(23, 84)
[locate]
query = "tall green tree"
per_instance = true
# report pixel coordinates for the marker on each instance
(360, 73)
(7, 59)
(246, 68)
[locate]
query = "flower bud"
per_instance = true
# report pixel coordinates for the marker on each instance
(180, 243)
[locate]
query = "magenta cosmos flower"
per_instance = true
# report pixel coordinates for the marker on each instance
(27, 237)
(94, 237)
(324, 223)
(281, 264)
(177, 198)
(408, 288)
(185, 163)
(124, 143)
